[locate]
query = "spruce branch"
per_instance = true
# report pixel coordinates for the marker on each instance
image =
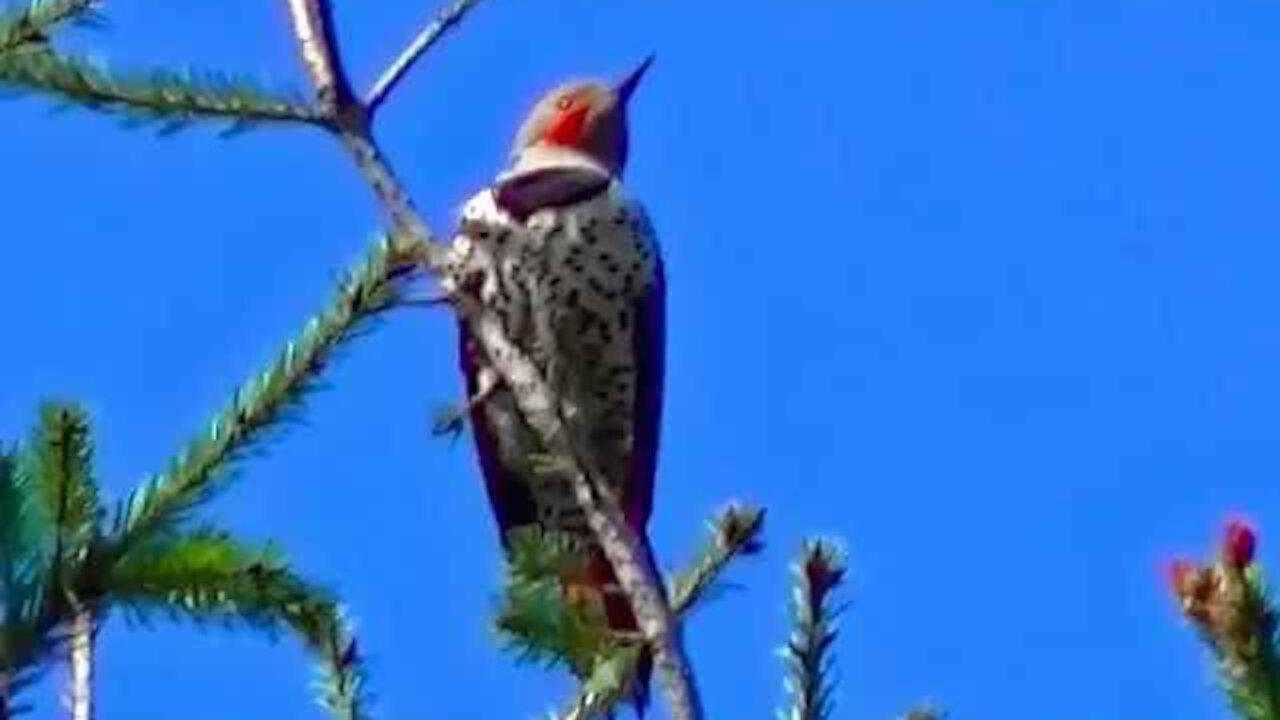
(736, 530)
(817, 573)
(536, 619)
(209, 576)
(341, 676)
(206, 575)
(262, 403)
(173, 99)
(24, 584)
(625, 551)
(434, 30)
(1228, 604)
(60, 465)
(21, 538)
(25, 25)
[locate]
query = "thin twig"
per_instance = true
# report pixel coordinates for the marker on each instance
(625, 550)
(396, 72)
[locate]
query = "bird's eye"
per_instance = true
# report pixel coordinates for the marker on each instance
(565, 102)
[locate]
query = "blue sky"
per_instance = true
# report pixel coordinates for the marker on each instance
(985, 288)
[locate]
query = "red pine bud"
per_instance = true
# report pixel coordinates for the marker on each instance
(1238, 544)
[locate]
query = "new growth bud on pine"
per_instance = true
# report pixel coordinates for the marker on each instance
(1227, 603)
(1238, 544)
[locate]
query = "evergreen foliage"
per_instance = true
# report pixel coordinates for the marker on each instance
(62, 554)
(171, 99)
(1227, 603)
(817, 573)
(23, 26)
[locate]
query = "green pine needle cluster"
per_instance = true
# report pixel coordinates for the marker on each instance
(537, 620)
(807, 654)
(1228, 604)
(1250, 668)
(171, 100)
(265, 401)
(59, 462)
(54, 561)
(736, 530)
(22, 26)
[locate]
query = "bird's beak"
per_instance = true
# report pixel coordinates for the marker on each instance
(632, 80)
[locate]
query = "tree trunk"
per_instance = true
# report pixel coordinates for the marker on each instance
(80, 688)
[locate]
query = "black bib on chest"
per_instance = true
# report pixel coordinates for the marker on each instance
(524, 194)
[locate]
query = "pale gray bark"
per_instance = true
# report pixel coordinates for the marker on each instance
(79, 698)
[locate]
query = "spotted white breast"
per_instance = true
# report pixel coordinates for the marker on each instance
(566, 282)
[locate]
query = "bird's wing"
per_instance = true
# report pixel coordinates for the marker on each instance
(648, 342)
(511, 501)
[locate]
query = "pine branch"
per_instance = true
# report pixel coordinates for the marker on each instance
(807, 655)
(399, 68)
(173, 99)
(1228, 604)
(25, 640)
(200, 576)
(21, 535)
(262, 403)
(207, 576)
(342, 678)
(60, 466)
(313, 28)
(24, 25)
(539, 407)
(537, 620)
(736, 530)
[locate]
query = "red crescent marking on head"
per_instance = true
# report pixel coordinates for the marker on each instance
(566, 128)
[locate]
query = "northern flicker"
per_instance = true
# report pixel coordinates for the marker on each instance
(571, 266)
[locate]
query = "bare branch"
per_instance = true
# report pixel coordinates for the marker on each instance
(411, 233)
(396, 72)
(313, 27)
(79, 698)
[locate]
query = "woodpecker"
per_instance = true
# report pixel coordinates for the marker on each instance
(570, 264)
